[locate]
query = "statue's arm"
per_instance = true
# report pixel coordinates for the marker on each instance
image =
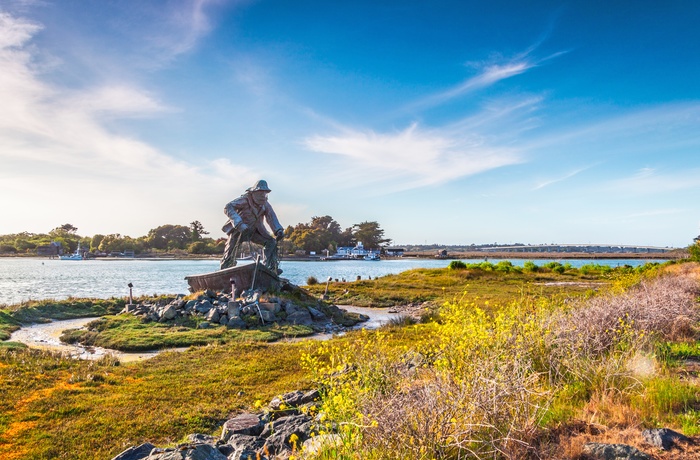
(232, 214)
(272, 221)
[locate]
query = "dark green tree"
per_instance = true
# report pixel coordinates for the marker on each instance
(95, 242)
(369, 234)
(169, 237)
(321, 233)
(197, 230)
(65, 228)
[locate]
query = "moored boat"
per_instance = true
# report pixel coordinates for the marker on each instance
(77, 255)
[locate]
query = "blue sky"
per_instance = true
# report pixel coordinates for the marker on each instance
(451, 122)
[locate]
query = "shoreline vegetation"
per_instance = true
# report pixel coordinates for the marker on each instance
(678, 254)
(498, 362)
(322, 235)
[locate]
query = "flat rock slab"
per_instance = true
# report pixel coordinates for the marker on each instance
(136, 453)
(195, 452)
(248, 424)
(614, 452)
(663, 437)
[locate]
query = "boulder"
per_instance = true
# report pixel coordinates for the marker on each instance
(290, 308)
(268, 316)
(211, 294)
(203, 306)
(212, 316)
(301, 316)
(233, 309)
(278, 434)
(170, 312)
(294, 399)
(223, 320)
(237, 322)
(199, 438)
(317, 315)
(247, 455)
(192, 452)
(247, 424)
(244, 441)
(314, 446)
(226, 450)
(272, 307)
(136, 453)
(614, 452)
(129, 308)
(203, 325)
(663, 437)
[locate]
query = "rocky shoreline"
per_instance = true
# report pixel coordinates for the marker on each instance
(291, 426)
(251, 309)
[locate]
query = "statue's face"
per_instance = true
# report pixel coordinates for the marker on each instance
(259, 197)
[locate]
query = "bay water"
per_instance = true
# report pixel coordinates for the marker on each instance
(23, 279)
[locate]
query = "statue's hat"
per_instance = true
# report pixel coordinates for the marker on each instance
(260, 185)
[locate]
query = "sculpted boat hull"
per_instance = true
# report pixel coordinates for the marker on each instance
(241, 275)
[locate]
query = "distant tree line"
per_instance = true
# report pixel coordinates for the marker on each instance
(318, 235)
(324, 233)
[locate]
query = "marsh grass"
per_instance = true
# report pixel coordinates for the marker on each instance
(59, 408)
(129, 333)
(489, 284)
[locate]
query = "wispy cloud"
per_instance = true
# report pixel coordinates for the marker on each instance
(416, 156)
(53, 138)
(488, 74)
(188, 22)
(649, 181)
(412, 157)
(547, 183)
(653, 213)
(118, 100)
(662, 127)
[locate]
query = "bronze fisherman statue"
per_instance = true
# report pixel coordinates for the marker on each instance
(247, 215)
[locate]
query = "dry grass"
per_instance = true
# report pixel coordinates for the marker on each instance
(571, 439)
(599, 341)
(492, 414)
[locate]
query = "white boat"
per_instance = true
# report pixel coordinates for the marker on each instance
(77, 255)
(372, 256)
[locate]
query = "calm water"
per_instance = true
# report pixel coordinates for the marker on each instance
(23, 279)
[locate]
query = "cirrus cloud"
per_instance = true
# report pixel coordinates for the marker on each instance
(413, 157)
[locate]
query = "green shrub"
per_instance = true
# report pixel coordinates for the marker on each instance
(457, 265)
(694, 251)
(487, 266)
(311, 280)
(559, 269)
(530, 266)
(504, 266)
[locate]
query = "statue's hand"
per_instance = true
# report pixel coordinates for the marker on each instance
(243, 228)
(279, 235)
